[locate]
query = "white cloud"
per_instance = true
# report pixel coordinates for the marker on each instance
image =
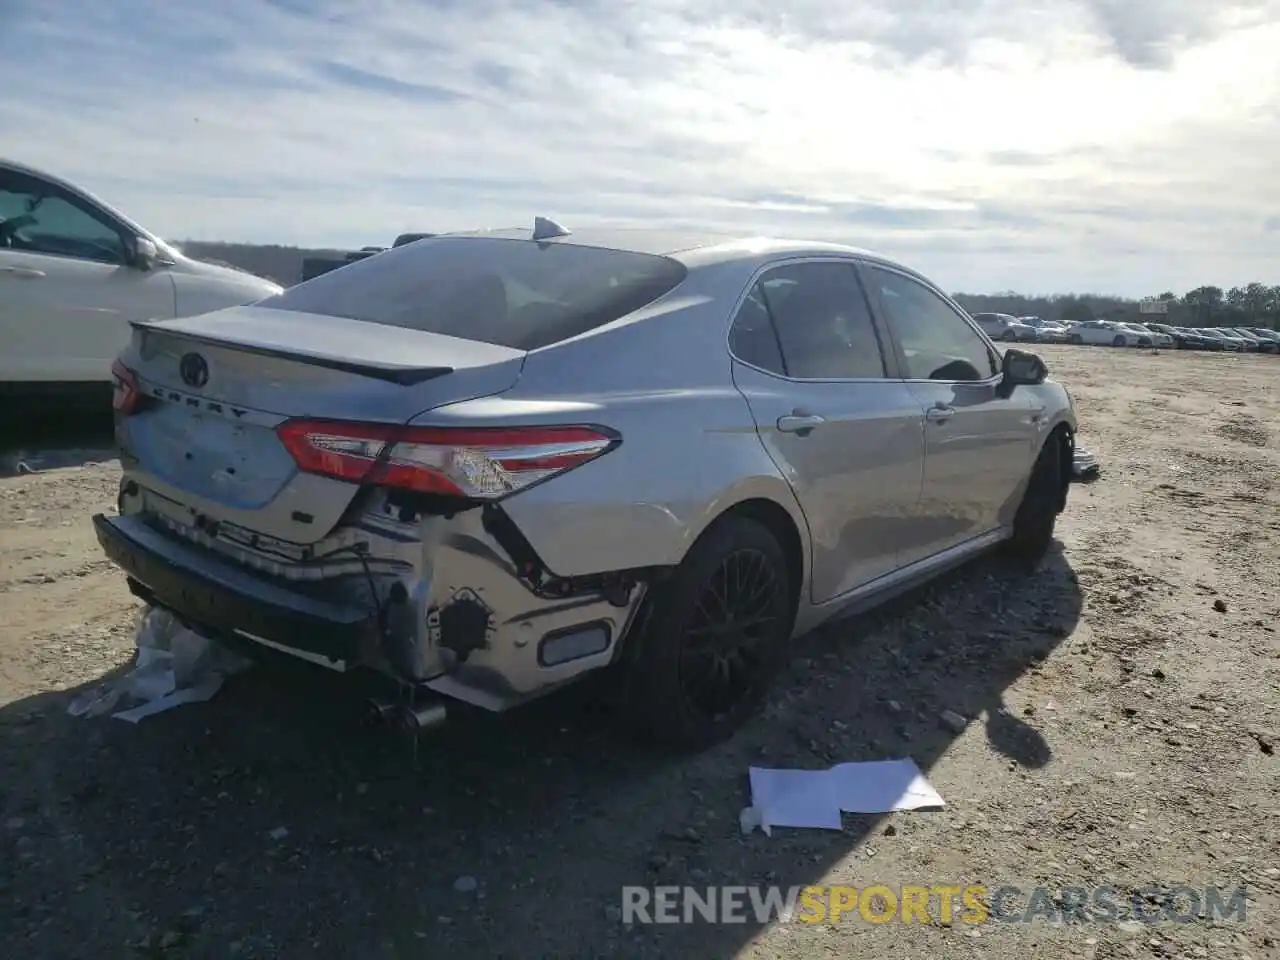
(1065, 145)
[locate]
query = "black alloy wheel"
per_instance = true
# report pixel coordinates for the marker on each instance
(725, 657)
(710, 638)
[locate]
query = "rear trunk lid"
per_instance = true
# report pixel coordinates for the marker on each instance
(217, 385)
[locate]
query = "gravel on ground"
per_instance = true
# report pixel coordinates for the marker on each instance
(1121, 707)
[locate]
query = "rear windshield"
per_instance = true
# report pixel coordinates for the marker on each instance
(513, 293)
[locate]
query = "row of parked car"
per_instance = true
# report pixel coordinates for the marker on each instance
(1120, 333)
(1242, 339)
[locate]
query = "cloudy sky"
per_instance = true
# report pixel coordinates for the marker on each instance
(1109, 145)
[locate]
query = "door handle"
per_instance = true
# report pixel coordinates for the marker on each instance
(940, 413)
(800, 423)
(27, 273)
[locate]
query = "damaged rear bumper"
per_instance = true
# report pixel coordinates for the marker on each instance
(437, 604)
(217, 595)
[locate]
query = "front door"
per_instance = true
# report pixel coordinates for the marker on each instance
(848, 436)
(979, 444)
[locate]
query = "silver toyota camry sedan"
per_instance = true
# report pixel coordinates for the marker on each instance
(486, 464)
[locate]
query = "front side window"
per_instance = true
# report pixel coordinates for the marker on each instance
(37, 217)
(936, 341)
(823, 325)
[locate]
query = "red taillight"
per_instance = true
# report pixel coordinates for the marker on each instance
(481, 464)
(124, 389)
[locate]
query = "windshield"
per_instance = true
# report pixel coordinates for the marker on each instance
(513, 293)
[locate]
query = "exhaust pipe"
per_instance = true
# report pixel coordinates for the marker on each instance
(415, 719)
(407, 718)
(380, 713)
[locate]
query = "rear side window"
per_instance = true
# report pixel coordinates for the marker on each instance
(753, 339)
(821, 325)
(512, 293)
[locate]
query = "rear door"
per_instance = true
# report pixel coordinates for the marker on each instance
(978, 444)
(834, 417)
(67, 294)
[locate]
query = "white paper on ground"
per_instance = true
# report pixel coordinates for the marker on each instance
(816, 798)
(198, 694)
(795, 798)
(174, 665)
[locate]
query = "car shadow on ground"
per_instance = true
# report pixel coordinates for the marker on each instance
(266, 823)
(33, 440)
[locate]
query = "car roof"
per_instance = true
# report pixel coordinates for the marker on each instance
(649, 240)
(17, 167)
(694, 247)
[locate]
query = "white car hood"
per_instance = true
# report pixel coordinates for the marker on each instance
(225, 273)
(204, 287)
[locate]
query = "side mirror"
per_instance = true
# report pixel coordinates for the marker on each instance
(1020, 368)
(143, 254)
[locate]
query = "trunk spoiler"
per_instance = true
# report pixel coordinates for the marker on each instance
(403, 375)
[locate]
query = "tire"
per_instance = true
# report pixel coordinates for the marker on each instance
(1119, 341)
(1076, 339)
(1042, 501)
(1009, 335)
(667, 691)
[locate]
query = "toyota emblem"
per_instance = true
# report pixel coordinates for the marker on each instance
(194, 370)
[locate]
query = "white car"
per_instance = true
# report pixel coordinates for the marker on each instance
(1102, 333)
(74, 273)
(1147, 336)
(1047, 331)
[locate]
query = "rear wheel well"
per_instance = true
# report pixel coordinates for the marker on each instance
(768, 514)
(778, 522)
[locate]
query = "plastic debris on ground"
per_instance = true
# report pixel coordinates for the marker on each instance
(816, 798)
(174, 665)
(1085, 465)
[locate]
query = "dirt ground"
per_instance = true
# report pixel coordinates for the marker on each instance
(1123, 704)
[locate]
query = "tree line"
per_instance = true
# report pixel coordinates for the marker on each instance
(1253, 305)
